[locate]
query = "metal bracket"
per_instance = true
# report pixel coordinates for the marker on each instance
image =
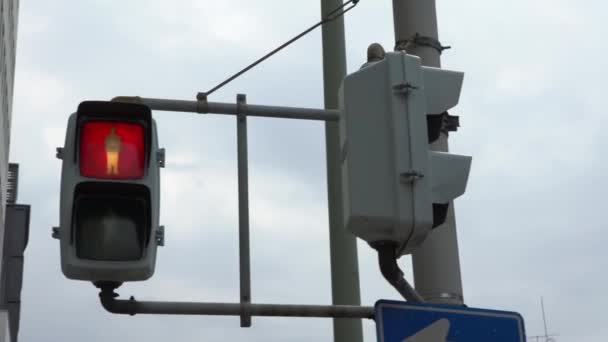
(441, 123)
(241, 106)
(450, 122)
(59, 153)
(202, 105)
(404, 88)
(160, 236)
(160, 157)
(419, 40)
(56, 234)
(410, 176)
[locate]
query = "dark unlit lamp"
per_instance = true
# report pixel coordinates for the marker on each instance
(111, 226)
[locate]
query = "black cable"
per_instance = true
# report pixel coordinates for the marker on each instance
(331, 16)
(392, 273)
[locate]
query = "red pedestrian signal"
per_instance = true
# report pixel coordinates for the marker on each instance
(112, 150)
(110, 193)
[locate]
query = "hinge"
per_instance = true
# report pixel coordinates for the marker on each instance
(160, 236)
(160, 157)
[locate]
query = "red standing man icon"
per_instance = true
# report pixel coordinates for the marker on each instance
(112, 152)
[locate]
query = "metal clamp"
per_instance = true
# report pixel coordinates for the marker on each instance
(419, 40)
(202, 105)
(241, 106)
(450, 295)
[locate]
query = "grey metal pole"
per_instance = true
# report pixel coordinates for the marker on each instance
(343, 246)
(436, 264)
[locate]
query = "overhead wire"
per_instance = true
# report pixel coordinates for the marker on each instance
(331, 16)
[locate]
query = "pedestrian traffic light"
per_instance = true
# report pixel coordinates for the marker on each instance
(109, 202)
(394, 188)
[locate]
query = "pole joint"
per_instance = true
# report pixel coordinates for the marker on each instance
(241, 106)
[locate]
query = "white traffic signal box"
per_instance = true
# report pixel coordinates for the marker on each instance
(109, 208)
(395, 188)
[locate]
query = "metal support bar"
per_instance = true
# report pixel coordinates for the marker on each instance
(132, 307)
(392, 273)
(243, 181)
(204, 107)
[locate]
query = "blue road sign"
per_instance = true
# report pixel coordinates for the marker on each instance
(407, 322)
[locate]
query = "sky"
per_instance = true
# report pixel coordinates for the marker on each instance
(530, 224)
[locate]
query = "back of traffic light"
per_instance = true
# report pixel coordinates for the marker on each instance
(109, 202)
(395, 190)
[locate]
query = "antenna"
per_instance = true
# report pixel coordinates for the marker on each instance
(547, 337)
(542, 306)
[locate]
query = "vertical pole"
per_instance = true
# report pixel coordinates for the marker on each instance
(343, 246)
(436, 264)
(243, 184)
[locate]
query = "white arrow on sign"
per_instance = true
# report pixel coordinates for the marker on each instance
(436, 332)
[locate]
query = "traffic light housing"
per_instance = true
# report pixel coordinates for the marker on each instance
(394, 188)
(109, 202)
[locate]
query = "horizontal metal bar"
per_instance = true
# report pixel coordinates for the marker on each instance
(293, 113)
(132, 307)
(172, 105)
(231, 108)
